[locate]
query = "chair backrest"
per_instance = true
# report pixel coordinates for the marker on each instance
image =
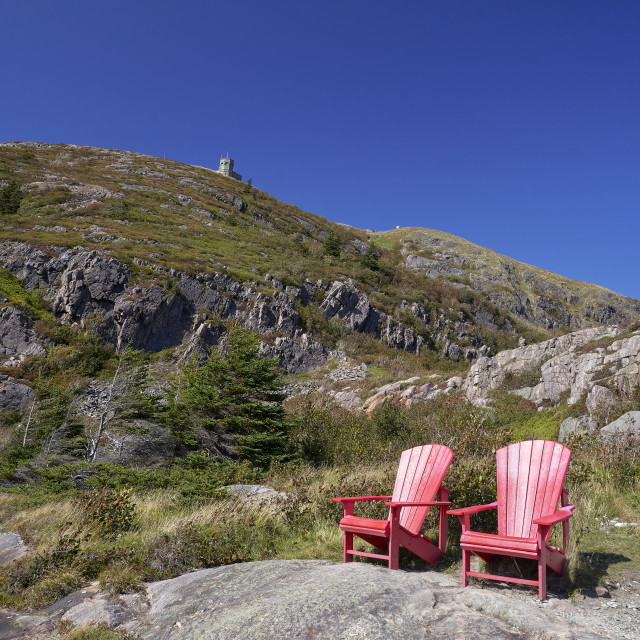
(530, 480)
(419, 477)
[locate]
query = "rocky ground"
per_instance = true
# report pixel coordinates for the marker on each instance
(290, 599)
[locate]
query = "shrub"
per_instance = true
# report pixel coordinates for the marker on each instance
(108, 512)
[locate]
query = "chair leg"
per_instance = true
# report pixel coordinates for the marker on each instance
(443, 532)
(394, 547)
(466, 565)
(348, 546)
(542, 573)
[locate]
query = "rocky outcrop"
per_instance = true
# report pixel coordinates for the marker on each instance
(299, 354)
(84, 285)
(152, 319)
(402, 393)
(562, 369)
(89, 284)
(352, 306)
(324, 600)
(346, 302)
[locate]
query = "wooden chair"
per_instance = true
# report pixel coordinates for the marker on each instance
(530, 484)
(418, 481)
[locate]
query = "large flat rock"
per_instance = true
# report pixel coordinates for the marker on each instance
(324, 600)
(301, 599)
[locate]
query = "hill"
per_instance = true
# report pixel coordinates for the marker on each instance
(170, 224)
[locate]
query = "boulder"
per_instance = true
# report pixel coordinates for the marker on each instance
(328, 601)
(14, 395)
(385, 394)
(348, 399)
(626, 425)
(573, 426)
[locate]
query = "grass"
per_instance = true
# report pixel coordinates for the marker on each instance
(140, 534)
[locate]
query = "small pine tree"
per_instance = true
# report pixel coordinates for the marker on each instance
(333, 244)
(369, 258)
(10, 197)
(236, 398)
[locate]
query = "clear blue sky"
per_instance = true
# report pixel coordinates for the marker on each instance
(514, 124)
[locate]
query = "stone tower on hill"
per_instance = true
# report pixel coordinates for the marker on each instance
(226, 168)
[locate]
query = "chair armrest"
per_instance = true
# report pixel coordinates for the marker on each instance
(418, 504)
(562, 514)
(466, 511)
(361, 498)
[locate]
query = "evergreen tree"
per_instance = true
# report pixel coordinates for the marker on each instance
(333, 244)
(369, 258)
(10, 197)
(235, 397)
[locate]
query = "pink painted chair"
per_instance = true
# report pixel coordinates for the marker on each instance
(419, 479)
(530, 485)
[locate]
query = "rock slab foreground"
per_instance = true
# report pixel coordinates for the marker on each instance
(291, 599)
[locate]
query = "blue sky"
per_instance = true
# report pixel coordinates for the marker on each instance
(513, 124)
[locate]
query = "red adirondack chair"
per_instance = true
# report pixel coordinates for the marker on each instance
(530, 485)
(418, 480)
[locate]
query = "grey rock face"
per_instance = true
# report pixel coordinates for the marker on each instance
(31, 265)
(600, 400)
(346, 302)
(88, 284)
(432, 268)
(297, 355)
(150, 319)
(83, 284)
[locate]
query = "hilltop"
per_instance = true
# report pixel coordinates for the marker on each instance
(163, 221)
